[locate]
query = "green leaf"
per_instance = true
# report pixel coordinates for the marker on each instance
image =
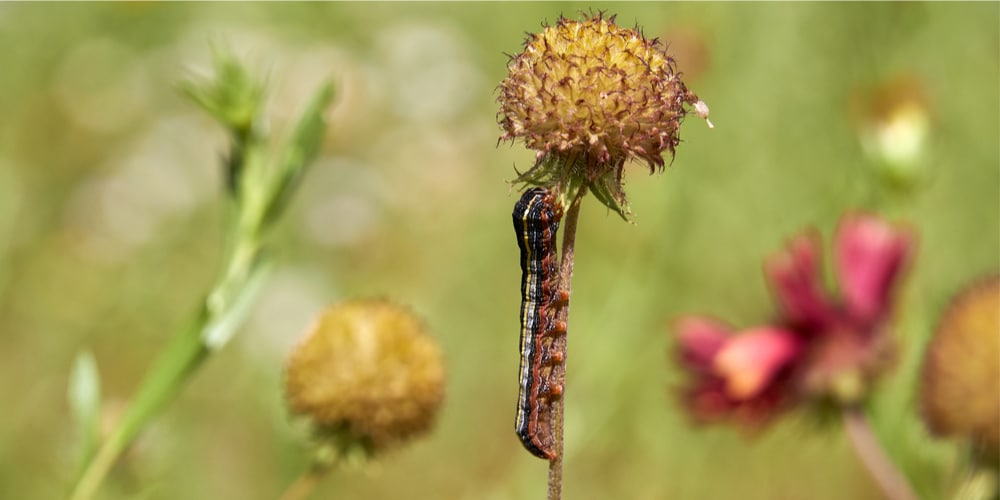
(300, 151)
(84, 395)
(224, 321)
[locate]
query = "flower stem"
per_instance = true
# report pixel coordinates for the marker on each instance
(307, 482)
(259, 193)
(892, 482)
(221, 313)
(559, 344)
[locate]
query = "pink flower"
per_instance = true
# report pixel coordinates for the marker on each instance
(742, 375)
(870, 257)
(823, 345)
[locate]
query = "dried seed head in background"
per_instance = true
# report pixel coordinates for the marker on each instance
(960, 390)
(589, 96)
(367, 373)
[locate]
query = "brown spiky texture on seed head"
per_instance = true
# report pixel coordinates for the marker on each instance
(594, 95)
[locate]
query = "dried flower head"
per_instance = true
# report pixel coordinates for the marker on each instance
(589, 96)
(960, 390)
(367, 373)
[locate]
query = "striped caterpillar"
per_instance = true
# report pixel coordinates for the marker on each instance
(536, 220)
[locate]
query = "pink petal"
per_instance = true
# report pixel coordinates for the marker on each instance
(870, 257)
(749, 361)
(700, 339)
(708, 402)
(794, 276)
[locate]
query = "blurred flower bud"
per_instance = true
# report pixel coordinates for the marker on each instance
(960, 388)
(233, 96)
(893, 123)
(367, 374)
(689, 47)
(589, 96)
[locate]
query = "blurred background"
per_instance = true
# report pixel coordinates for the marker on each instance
(110, 221)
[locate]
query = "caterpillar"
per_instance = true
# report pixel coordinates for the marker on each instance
(536, 220)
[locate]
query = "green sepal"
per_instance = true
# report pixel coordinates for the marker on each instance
(608, 191)
(233, 96)
(569, 175)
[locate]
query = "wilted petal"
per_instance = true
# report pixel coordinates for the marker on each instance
(795, 278)
(749, 361)
(870, 256)
(700, 338)
(708, 401)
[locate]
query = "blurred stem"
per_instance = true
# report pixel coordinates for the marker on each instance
(259, 191)
(221, 312)
(159, 387)
(565, 279)
(892, 482)
(307, 482)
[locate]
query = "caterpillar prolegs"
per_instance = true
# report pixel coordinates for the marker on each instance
(536, 221)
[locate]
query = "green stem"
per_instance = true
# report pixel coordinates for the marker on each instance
(565, 278)
(892, 482)
(234, 99)
(304, 486)
(220, 314)
(166, 378)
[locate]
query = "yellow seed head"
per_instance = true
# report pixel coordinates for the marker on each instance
(592, 87)
(594, 95)
(960, 390)
(367, 369)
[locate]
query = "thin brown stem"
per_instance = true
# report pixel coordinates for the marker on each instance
(892, 482)
(307, 482)
(559, 345)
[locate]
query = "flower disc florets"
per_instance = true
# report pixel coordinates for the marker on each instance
(589, 91)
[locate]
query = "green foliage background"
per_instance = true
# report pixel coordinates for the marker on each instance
(110, 213)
